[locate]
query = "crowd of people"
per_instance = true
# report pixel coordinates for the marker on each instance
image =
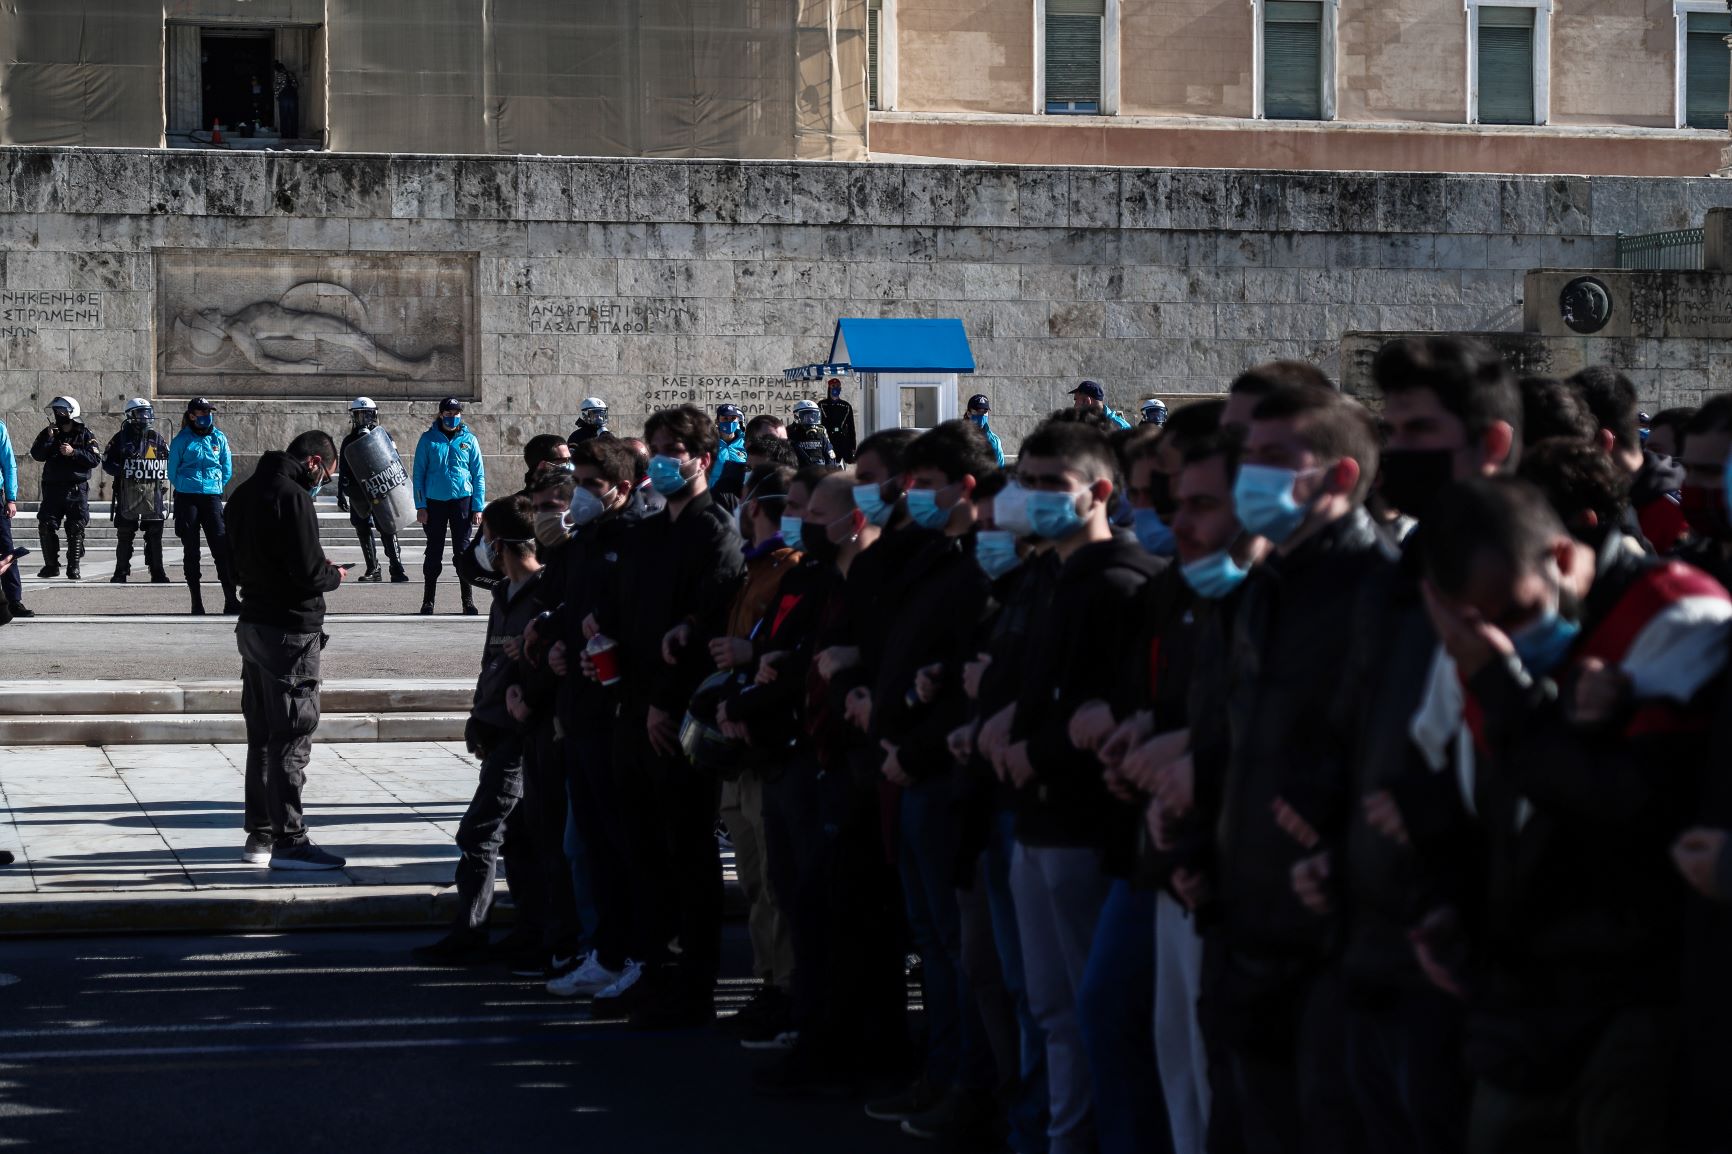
(1277, 775)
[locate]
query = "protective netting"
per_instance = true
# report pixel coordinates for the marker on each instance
(753, 79)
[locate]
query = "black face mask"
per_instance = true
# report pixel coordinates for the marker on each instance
(815, 543)
(1161, 496)
(1411, 479)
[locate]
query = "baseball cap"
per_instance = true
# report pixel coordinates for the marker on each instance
(450, 403)
(199, 403)
(979, 403)
(727, 412)
(1091, 390)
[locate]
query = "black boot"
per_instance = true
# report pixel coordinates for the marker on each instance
(50, 540)
(153, 553)
(369, 556)
(124, 531)
(74, 550)
(398, 576)
(427, 600)
(18, 609)
(197, 596)
(468, 592)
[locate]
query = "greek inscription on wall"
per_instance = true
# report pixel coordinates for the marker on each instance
(579, 317)
(24, 312)
(754, 394)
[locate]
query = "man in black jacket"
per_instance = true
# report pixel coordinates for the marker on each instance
(497, 733)
(1451, 412)
(1067, 470)
(284, 577)
(838, 419)
(675, 586)
(1309, 461)
(942, 596)
(68, 451)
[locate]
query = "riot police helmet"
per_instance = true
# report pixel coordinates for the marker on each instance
(65, 405)
(363, 413)
(139, 411)
(592, 412)
(807, 413)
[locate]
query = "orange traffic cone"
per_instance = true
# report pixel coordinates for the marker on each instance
(216, 132)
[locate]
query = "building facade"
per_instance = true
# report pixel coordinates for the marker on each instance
(1590, 86)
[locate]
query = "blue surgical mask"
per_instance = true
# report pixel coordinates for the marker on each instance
(924, 509)
(1054, 515)
(1214, 576)
(451, 423)
(203, 421)
(1152, 532)
(729, 428)
(869, 499)
(791, 528)
(1543, 645)
(995, 552)
(980, 419)
(666, 476)
(1263, 499)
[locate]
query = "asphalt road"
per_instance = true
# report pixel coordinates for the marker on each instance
(341, 1042)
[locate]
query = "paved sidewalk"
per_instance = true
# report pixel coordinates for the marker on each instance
(149, 837)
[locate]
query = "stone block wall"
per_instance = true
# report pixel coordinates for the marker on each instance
(653, 282)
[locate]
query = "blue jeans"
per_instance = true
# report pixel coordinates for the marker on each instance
(1116, 1009)
(956, 1050)
(1028, 1113)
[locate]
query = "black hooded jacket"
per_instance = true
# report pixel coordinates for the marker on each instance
(279, 564)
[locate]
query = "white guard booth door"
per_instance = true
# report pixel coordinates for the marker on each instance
(913, 400)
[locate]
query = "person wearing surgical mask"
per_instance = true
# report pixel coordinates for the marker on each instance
(450, 483)
(1308, 460)
(675, 587)
(1570, 656)
(1076, 643)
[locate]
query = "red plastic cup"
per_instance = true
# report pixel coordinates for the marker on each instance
(604, 655)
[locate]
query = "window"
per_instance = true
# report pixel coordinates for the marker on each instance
(874, 38)
(1074, 32)
(1293, 60)
(1706, 67)
(1509, 62)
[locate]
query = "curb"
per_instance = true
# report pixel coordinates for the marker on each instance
(257, 908)
(222, 911)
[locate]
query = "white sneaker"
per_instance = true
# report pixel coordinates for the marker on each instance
(627, 979)
(590, 978)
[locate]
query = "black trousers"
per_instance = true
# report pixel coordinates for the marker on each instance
(605, 821)
(10, 583)
(792, 840)
(195, 512)
(488, 832)
(280, 702)
(677, 850)
(1404, 1061)
(443, 515)
(544, 809)
(126, 530)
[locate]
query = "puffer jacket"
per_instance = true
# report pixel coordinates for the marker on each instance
(199, 462)
(448, 467)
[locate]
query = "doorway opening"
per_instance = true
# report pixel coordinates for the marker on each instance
(236, 72)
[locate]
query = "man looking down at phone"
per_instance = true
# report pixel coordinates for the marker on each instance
(284, 576)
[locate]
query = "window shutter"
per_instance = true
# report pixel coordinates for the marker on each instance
(1292, 60)
(1707, 69)
(1073, 54)
(874, 30)
(1506, 65)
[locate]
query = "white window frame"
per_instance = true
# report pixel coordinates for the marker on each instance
(1111, 21)
(1542, 55)
(887, 56)
(1331, 10)
(1681, 10)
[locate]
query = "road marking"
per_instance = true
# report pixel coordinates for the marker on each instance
(270, 972)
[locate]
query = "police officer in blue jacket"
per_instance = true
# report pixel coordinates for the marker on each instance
(450, 491)
(199, 471)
